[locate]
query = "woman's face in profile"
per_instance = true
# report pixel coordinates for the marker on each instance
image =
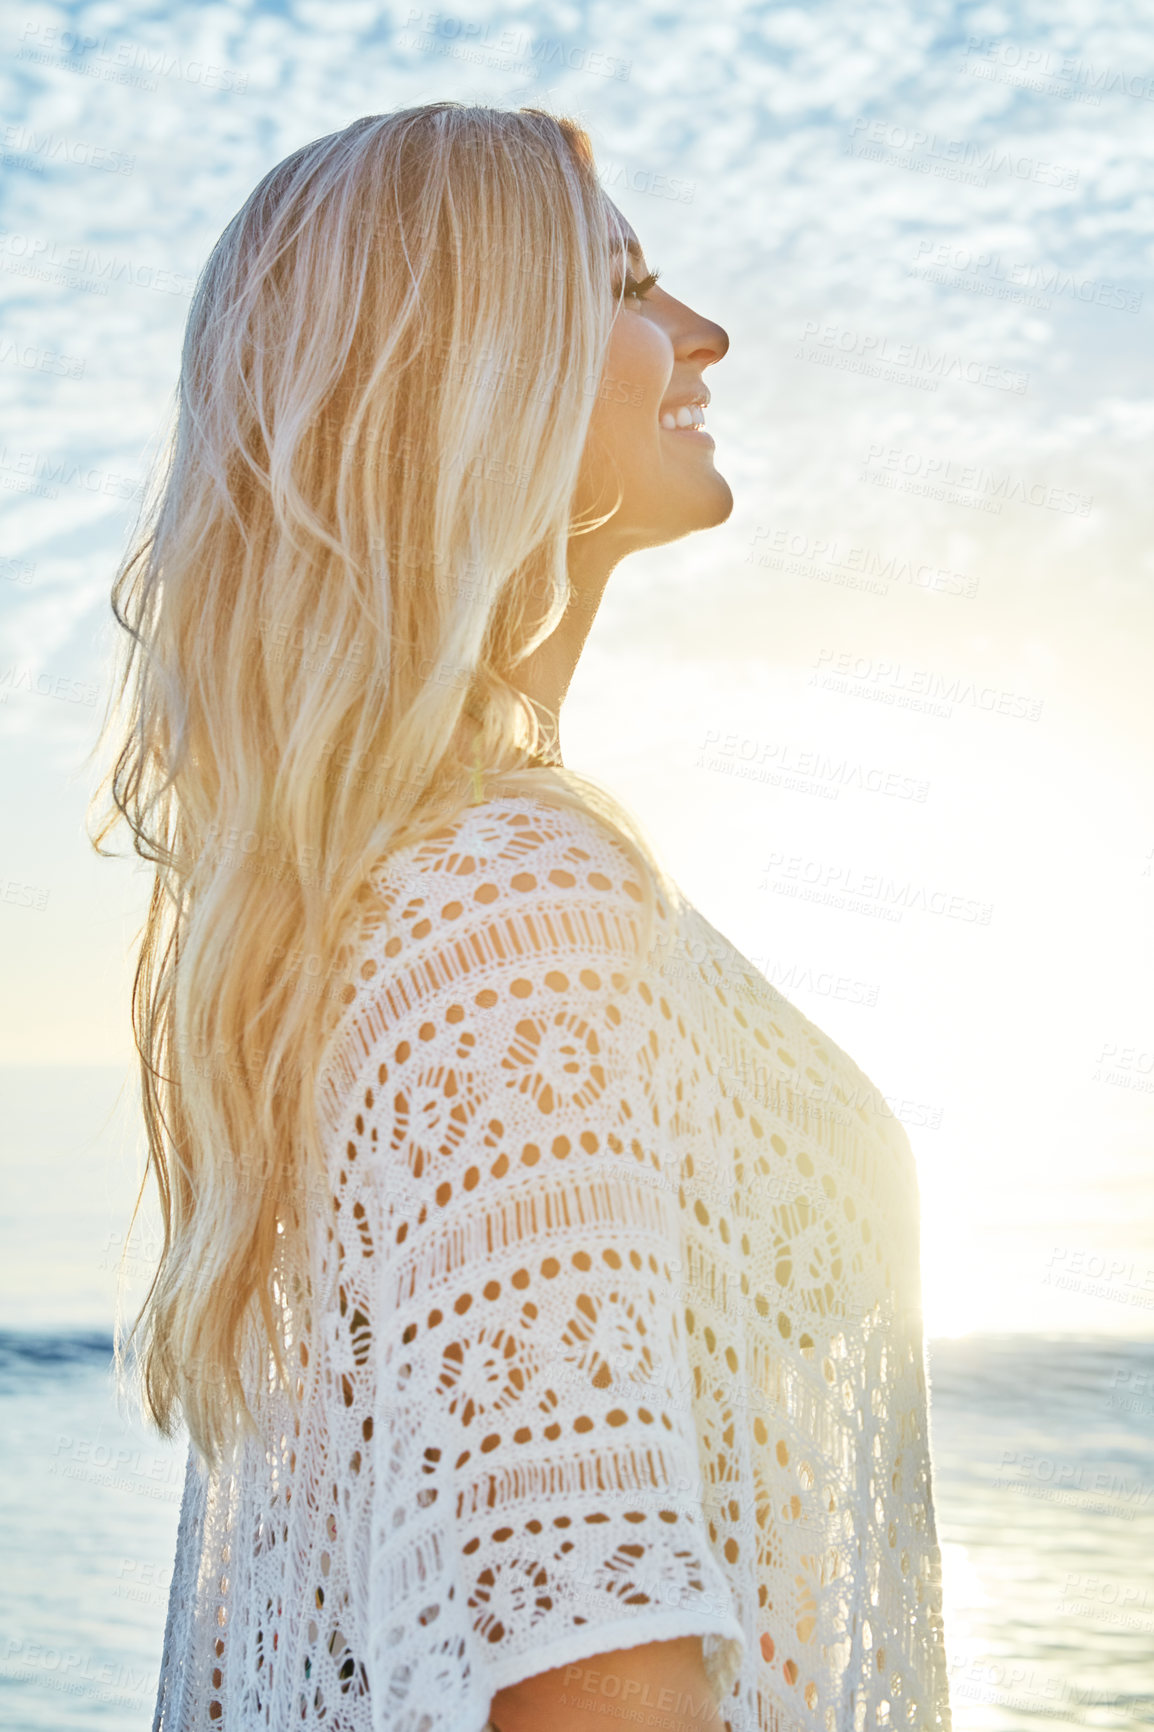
(642, 436)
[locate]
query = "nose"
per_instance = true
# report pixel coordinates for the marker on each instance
(698, 341)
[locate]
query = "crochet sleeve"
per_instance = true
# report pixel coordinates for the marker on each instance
(515, 1281)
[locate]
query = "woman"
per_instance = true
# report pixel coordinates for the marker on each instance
(539, 1287)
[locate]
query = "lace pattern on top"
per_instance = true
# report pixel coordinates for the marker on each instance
(612, 1334)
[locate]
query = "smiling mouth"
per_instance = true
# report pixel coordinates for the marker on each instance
(690, 418)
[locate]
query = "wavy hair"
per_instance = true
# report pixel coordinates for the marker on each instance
(356, 528)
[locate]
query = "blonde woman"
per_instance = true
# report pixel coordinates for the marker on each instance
(539, 1288)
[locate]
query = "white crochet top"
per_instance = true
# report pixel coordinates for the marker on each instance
(616, 1335)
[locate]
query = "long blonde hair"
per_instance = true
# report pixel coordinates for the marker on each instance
(356, 528)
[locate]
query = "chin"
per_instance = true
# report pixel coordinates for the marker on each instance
(704, 506)
(673, 511)
(703, 511)
(723, 502)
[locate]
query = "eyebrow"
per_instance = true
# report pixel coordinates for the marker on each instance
(633, 247)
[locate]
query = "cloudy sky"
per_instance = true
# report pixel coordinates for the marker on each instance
(890, 726)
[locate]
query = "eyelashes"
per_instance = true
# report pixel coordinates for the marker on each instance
(639, 287)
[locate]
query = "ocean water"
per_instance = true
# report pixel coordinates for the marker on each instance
(1043, 1451)
(88, 1510)
(1044, 1460)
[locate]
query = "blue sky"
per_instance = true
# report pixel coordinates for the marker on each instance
(890, 725)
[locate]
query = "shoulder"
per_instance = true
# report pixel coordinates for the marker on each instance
(513, 909)
(512, 835)
(514, 857)
(504, 988)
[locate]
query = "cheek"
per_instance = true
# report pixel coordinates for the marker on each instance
(637, 370)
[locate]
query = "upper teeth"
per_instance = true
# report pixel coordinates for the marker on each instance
(685, 417)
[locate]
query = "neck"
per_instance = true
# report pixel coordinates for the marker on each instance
(545, 674)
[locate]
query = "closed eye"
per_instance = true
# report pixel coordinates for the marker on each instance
(638, 287)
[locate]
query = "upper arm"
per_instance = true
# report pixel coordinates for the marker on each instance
(667, 1680)
(512, 1236)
